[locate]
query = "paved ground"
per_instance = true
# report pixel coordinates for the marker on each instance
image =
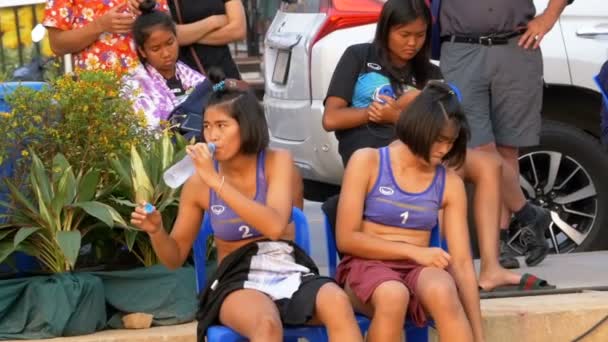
(564, 271)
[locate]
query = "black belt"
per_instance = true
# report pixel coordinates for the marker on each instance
(487, 40)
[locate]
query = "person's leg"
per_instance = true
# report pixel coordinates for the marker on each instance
(334, 310)
(437, 292)
(517, 91)
(387, 310)
(484, 170)
(252, 314)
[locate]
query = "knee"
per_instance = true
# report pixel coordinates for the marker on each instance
(268, 328)
(491, 165)
(391, 298)
(331, 300)
(444, 291)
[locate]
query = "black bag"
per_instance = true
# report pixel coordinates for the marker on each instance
(187, 117)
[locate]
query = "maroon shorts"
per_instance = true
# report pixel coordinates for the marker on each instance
(363, 276)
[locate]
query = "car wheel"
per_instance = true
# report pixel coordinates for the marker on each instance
(566, 174)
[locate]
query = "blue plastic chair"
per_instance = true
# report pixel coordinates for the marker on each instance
(412, 332)
(220, 333)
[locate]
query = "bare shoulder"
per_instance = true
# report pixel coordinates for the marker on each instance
(366, 156)
(278, 157)
(454, 187)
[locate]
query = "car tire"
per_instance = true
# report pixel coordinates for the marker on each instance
(575, 164)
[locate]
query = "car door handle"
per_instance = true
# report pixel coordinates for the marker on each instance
(283, 41)
(592, 32)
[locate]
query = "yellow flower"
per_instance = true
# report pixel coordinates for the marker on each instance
(25, 153)
(5, 114)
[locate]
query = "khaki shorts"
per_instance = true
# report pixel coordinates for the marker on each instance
(502, 90)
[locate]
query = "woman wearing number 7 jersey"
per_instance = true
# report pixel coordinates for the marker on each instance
(263, 280)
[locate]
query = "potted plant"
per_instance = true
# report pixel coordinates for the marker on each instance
(52, 224)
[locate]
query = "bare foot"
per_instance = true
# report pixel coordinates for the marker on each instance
(490, 279)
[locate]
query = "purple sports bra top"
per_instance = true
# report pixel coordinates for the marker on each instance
(389, 205)
(227, 225)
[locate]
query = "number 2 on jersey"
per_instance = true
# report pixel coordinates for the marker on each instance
(245, 231)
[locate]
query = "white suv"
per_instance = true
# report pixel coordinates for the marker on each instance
(566, 173)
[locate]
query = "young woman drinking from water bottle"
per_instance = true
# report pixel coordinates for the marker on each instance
(263, 280)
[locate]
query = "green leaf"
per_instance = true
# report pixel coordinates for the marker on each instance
(6, 249)
(141, 183)
(23, 234)
(5, 232)
(124, 202)
(20, 198)
(101, 211)
(168, 152)
(45, 215)
(60, 165)
(130, 237)
(40, 179)
(88, 186)
(122, 169)
(64, 193)
(69, 242)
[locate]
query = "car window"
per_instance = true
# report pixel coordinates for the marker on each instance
(302, 6)
(315, 6)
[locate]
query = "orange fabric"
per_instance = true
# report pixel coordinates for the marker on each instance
(110, 51)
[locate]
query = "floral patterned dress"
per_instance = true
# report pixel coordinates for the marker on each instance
(150, 92)
(111, 51)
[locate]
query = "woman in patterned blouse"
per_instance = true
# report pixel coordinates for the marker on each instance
(160, 83)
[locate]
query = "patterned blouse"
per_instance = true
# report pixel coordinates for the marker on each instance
(153, 96)
(111, 51)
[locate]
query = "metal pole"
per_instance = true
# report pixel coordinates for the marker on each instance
(19, 44)
(34, 23)
(2, 60)
(67, 64)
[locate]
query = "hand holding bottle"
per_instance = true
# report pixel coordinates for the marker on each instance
(147, 218)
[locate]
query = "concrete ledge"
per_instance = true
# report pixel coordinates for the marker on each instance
(544, 318)
(174, 333)
(524, 319)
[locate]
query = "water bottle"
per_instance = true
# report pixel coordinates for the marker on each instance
(179, 173)
(385, 90)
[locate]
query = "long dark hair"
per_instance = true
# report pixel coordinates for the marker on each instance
(240, 103)
(419, 127)
(150, 17)
(401, 12)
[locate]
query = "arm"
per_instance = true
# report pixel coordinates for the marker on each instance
(338, 115)
(188, 34)
(172, 250)
(349, 236)
(461, 266)
(538, 27)
(64, 41)
(270, 219)
(235, 30)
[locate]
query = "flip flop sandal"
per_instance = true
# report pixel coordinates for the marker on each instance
(528, 282)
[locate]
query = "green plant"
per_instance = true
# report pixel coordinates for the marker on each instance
(139, 179)
(83, 116)
(50, 227)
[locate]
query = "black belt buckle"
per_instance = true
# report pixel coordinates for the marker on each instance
(492, 39)
(486, 40)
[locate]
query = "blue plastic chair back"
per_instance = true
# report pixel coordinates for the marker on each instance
(220, 333)
(412, 333)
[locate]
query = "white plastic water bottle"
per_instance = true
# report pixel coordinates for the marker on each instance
(179, 173)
